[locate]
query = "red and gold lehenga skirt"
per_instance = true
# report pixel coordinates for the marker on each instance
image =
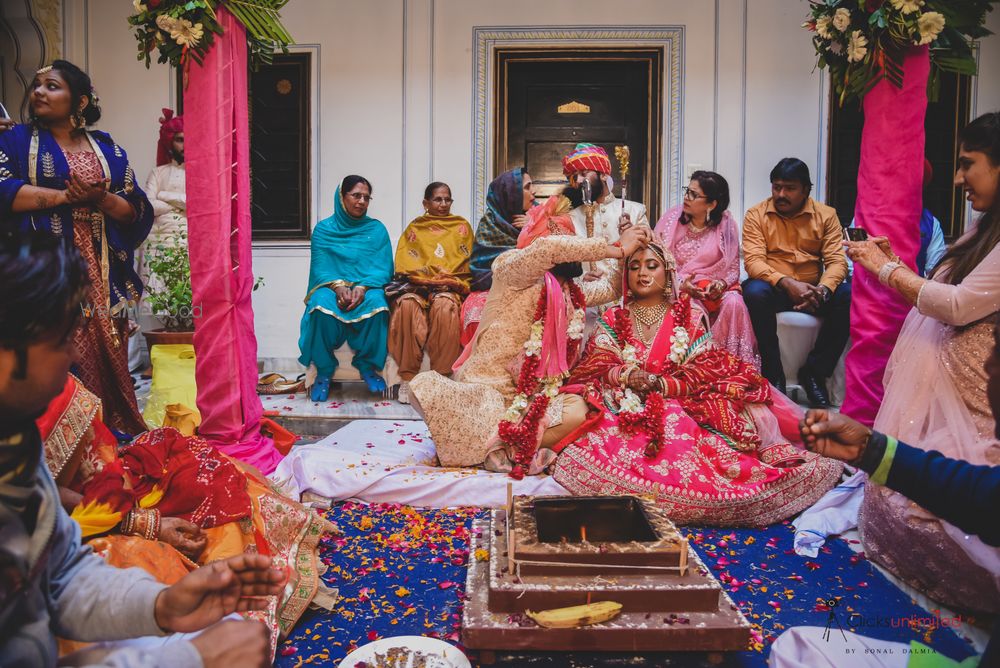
(237, 508)
(723, 456)
(102, 342)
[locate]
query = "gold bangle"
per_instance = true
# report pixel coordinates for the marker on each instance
(126, 524)
(135, 522)
(627, 374)
(152, 524)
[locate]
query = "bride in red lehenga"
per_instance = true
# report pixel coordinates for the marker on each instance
(675, 417)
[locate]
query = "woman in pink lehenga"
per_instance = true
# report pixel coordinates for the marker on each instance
(935, 388)
(677, 418)
(703, 238)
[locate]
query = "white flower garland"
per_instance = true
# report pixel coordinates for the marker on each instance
(577, 324)
(631, 403)
(679, 343)
(533, 347)
(629, 355)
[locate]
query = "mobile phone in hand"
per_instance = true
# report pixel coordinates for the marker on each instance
(855, 234)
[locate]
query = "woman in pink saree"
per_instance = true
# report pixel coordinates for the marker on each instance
(935, 387)
(702, 236)
(674, 416)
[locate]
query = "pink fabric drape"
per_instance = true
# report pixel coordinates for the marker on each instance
(553, 353)
(218, 200)
(890, 178)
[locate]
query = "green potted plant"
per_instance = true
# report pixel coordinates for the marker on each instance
(168, 291)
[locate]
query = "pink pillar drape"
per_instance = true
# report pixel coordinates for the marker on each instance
(890, 200)
(219, 236)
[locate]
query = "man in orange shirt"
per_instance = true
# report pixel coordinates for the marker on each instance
(794, 256)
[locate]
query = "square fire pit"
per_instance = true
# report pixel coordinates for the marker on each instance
(564, 551)
(595, 519)
(586, 534)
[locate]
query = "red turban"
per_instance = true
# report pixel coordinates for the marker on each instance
(552, 217)
(586, 157)
(169, 126)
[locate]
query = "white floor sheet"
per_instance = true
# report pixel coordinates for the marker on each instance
(383, 461)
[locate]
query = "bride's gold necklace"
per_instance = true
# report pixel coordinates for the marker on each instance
(648, 317)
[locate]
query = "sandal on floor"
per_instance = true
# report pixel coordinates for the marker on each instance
(375, 383)
(320, 389)
(275, 383)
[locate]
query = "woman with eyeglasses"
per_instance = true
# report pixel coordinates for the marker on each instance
(702, 236)
(350, 264)
(432, 277)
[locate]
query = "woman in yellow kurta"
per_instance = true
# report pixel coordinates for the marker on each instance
(432, 277)
(168, 503)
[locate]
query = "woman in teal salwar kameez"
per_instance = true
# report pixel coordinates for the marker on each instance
(350, 265)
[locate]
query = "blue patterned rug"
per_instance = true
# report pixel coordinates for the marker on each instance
(401, 571)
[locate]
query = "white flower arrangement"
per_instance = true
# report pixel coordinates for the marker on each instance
(907, 6)
(533, 346)
(629, 355)
(517, 406)
(857, 48)
(842, 19)
(181, 30)
(165, 22)
(931, 24)
(577, 324)
(185, 33)
(551, 387)
(630, 403)
(679, 343)
(823, 27)
(864, 42)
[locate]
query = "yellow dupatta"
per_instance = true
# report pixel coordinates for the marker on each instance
(435, 251)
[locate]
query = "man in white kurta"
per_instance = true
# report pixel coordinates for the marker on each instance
(166, 192)
(165, 186)
(605, 217)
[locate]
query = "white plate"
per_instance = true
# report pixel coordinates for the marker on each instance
(453, 657)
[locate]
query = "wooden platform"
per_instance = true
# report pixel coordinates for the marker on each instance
(662, 611)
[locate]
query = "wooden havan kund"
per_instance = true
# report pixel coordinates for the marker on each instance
(571, 551)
